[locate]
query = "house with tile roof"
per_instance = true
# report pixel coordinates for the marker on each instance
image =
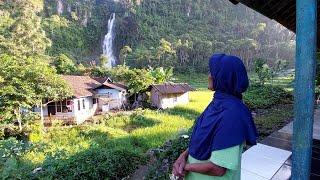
(169, 95)
(90, 97)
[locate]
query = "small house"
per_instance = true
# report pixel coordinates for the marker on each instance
(90, 97)
(169, 95)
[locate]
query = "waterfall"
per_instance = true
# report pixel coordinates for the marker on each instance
(108, 42)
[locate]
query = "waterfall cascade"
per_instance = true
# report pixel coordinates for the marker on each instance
(108, 42)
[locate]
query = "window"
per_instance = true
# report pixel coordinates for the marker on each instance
(109, 95)
(95, 101)
(78, 105)
(69, 105)
(83, 104)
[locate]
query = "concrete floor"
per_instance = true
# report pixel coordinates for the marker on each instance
(316, 126)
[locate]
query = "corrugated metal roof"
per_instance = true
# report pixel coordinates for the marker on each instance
(172, 88)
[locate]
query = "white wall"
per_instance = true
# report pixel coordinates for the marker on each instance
(118, 97)
(83, 114)
(172, 100)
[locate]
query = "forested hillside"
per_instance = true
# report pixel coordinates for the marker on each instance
(177, 33)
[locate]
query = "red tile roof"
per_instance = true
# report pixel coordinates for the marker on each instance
(83, 86)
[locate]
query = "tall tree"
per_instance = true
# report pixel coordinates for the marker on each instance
(26, 77)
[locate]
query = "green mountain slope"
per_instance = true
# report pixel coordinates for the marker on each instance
(178, 33)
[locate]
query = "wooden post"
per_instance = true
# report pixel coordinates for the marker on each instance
(306, 22)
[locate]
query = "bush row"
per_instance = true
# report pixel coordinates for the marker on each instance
(265, 96)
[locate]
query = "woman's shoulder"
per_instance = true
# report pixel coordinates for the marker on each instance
(235, 105)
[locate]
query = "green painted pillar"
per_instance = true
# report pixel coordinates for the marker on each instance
(304, 88)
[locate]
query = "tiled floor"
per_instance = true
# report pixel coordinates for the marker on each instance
(262, 162)
(283, 141)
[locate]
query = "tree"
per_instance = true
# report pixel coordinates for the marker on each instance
(21, 34)
(137, 80)
(64, 65)
(164, 51)
(103, 60)
(26, 77)
(183, 51)
(279, 65)
(262, 69)
(25, 84)
(124, 53)
(161, 75)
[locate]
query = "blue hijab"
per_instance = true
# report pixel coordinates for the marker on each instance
(226, 122)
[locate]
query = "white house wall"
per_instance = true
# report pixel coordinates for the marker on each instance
(83, 114)
(168, 101)
(184, 98)
(118, 98)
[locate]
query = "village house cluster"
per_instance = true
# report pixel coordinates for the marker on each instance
(92, 96)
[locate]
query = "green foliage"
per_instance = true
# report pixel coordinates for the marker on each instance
(81, 69)
(161, 75)
(140, 80)
(98, 71)
(64, 65)
(11, 151)
(67, 37)
(124, 52)
(169, 155)
(26, 76)
(112, 149)
(94, 163)
(137, 80)
(26, 83)
(262, 69)
(21, 34)
(103, 60)
(272, 119)
(195, 29)
(265, 96)
(163, 33)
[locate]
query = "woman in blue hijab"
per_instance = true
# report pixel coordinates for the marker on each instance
(224, 127)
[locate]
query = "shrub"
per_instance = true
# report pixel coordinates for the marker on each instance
(94, 163)
(166, 157)
(262, 69)
(264, 96)
(64, 65)
(11, 152)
